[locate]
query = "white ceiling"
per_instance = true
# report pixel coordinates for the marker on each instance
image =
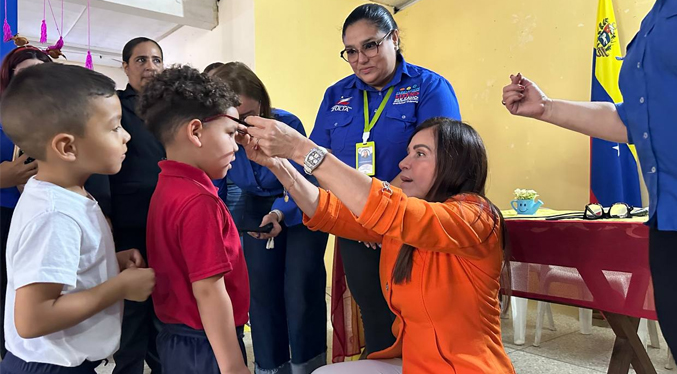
(173, 7)
(112, 24)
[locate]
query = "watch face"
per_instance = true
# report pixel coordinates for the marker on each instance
(314, 158)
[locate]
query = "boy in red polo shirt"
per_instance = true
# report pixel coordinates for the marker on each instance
(202, 290)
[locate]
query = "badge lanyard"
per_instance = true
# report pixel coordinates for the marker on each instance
(365, 152)
(368, 125)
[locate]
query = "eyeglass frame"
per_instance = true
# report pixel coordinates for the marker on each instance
(582, 215)
(223, 115)
(606, 214)
(378, 44)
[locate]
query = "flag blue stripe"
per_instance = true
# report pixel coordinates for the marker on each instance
(613, 172)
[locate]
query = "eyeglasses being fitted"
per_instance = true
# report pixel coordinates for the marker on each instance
(240, 121)
(369, 49)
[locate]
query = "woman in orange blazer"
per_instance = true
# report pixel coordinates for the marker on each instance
(442, 242)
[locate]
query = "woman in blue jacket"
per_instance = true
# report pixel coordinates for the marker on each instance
(366, 120)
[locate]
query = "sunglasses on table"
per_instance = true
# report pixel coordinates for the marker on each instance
(597, 211)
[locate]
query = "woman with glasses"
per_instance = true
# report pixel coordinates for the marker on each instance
(287, 278)
(365, 120)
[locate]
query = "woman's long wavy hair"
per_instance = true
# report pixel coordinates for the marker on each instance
(461, 168)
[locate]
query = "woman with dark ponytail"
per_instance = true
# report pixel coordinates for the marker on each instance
(443, 260)
(372, 138)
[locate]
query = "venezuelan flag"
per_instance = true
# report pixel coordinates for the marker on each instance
(613, 166)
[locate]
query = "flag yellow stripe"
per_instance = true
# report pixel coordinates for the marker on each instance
(608, 67)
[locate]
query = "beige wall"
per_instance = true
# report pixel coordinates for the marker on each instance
(478, 44)
(116, 74)
(297, 51)
(232, 39)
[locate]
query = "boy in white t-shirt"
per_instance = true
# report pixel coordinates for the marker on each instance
(65, 282)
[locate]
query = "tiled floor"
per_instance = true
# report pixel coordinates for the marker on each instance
(567, 350)
(564, 351)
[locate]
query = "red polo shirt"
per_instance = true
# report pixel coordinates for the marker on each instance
(191, 236)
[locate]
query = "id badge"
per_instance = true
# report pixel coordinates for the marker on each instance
(365, 158)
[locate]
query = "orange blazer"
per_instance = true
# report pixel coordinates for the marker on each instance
(448, 315)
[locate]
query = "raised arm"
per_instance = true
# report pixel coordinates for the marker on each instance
(597, 119)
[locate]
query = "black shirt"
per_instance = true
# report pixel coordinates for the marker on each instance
(131, 189)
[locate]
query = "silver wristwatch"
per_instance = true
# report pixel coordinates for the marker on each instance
(313, 159)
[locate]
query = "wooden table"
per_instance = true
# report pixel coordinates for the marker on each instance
(601, 265)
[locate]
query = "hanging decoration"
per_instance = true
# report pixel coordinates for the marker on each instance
(88, 60)
(19, 41)
(43, 27)
(54, 51)
(6, 29)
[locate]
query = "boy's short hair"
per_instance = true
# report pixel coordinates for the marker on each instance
(181, 94)
(48, 99)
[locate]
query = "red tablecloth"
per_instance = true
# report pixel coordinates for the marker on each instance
(600, 264)
(348, 338)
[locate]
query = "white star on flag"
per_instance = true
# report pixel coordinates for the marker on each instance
(618, 148)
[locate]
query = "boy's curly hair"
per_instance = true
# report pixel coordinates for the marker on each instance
(181, 94)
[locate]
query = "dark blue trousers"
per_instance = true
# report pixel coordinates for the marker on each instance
(14, 365)
(288, 310)
(184, 350)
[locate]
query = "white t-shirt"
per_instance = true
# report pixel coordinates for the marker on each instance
(59, 236)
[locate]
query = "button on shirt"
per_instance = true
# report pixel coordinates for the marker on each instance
(418, 94)
(648, 82)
